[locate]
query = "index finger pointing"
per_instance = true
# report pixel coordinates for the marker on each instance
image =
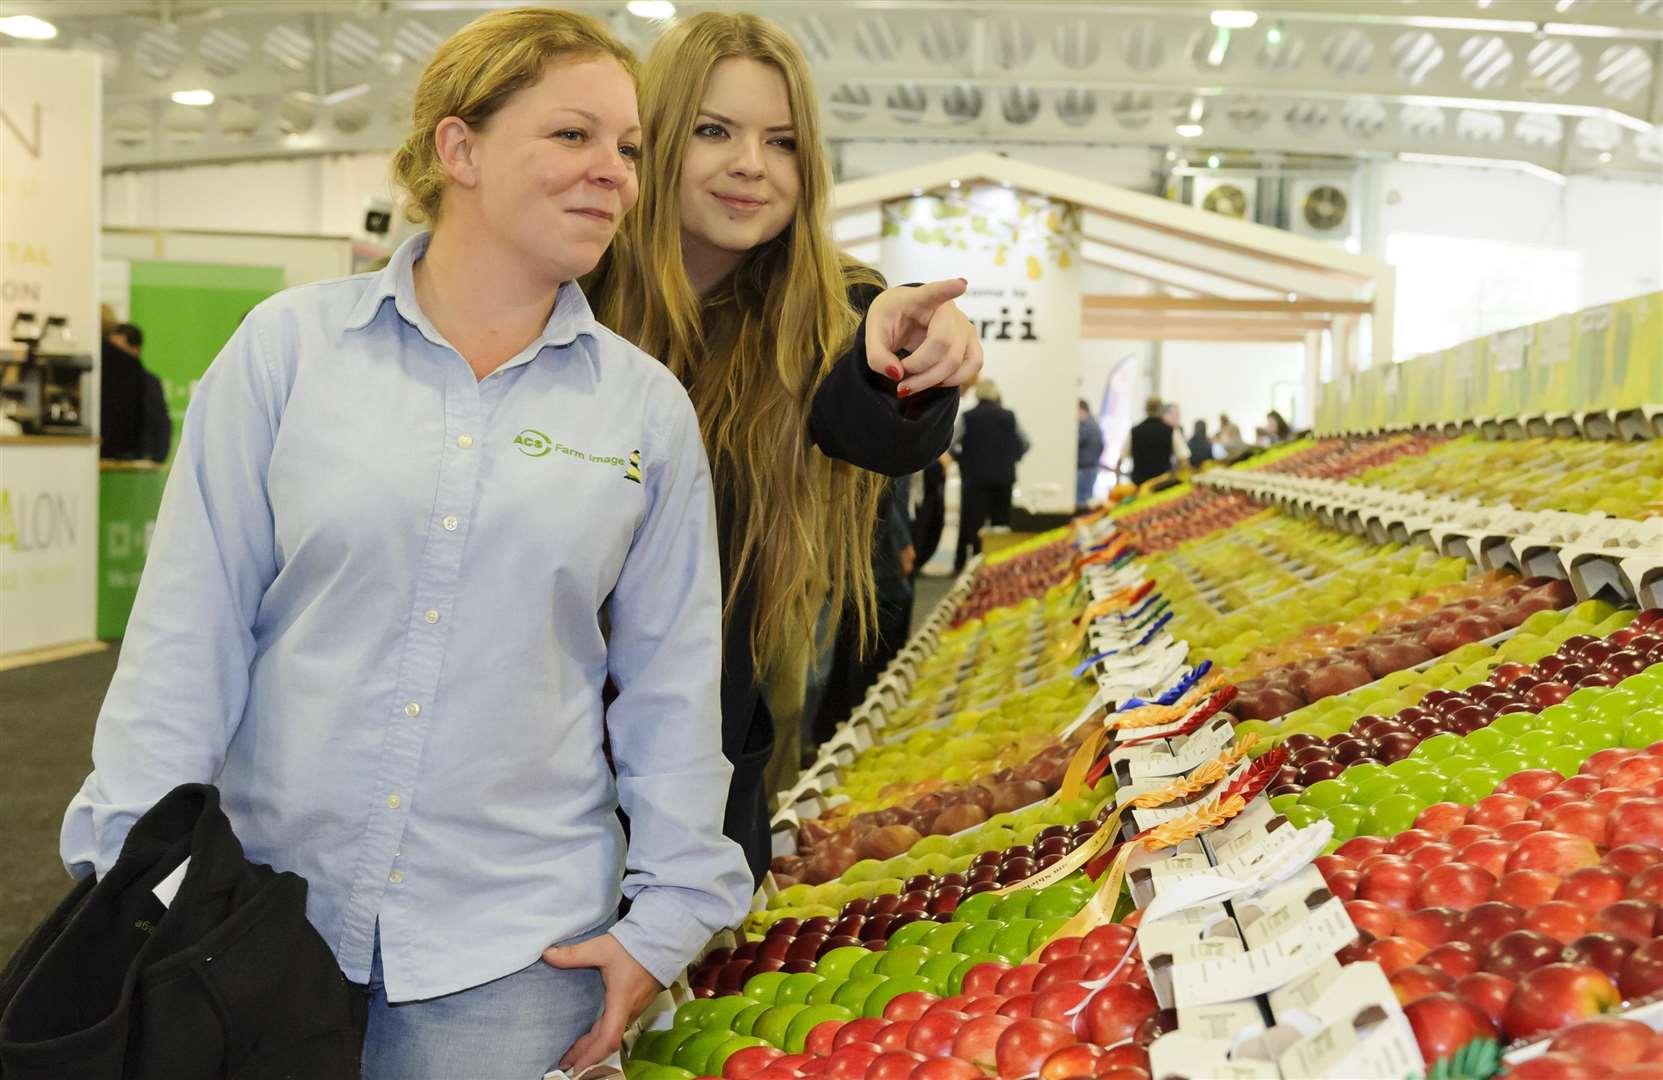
(933, 295)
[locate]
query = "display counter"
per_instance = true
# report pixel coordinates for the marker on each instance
(129, 494)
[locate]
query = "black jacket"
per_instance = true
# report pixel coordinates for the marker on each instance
(229, 980)
(854, 417)
(991, 446)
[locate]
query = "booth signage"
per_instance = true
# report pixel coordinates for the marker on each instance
(1020, 253)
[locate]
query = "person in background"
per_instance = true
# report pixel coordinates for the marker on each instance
(155, 425)
(931, 517)
(1088, 456)
(1276, 429)
(1153, 446)
(394, 673)
(1229, 436)
(988, 449)
(121, 386)
(1172, 416)
(1201, 447)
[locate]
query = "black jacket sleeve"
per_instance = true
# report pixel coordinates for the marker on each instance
(856, 417)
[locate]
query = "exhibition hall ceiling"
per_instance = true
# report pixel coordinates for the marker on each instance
(1565, 85)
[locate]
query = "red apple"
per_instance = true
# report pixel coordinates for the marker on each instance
(1514, 831)
(1579, 819)
(1551, 801)
(910, 1005)
(1497, 809)
(1417, 981)
(1489, 854)
(862, 1029)
(894, 1036)
(1518, 952)
(1109, 942)
(1631, 860)
(1646, 885)
(1116, 1012)
(1025, 1045)
(1469, 833)
(1638, 820)
(977, 1041)
(1557, 1067)
(1527, 888)
(1489, 921)
(989, 1003)
(1607, 1040)
(1057, 1002)
(1068, 969)
(947, 1068)
(1602, 763)
(933, 1035)
(1405, 842)
(1018, 980)
(750, 1060)
(1592, 888)
(1391, 884)
(1632, 919)
(1393, 954)
(1555, 995)
(1636, 773)
(1080, 1059)
(1445, 1022)
(1019, 1006)
(1344, 884)
(822, 1038)
(1556, 852)
(1642, 972)
(1067, 946)
(1487, 990)
(1359, 848)
(1435, 854)
(1608, 952)
(1456, 959)
(1431, 926)
(1441, 819)
(894, 1065)
(1530, 783)
(1456, 885)
(1562, 921)
(1377, 919)
(982, 978)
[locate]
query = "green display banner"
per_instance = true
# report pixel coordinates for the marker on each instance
(188, 312)
(129, 494)
(1607, 357)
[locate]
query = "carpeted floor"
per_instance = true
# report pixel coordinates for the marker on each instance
(46, 719)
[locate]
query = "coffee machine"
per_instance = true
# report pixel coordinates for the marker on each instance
(43, 377)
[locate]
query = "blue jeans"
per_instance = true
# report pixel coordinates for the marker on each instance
(1084, 481)
(514, 1028)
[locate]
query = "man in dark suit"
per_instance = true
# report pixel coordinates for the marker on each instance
(987, 451)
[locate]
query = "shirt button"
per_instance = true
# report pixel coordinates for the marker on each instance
(396, 877)
(464, 441)
(393, 801)
(431, 615)
(412, 709)
(450, 523)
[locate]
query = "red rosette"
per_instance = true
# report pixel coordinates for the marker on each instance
(1204, 712)
(1257, 777)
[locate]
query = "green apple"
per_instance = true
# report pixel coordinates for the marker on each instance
(1439, 746)
(1326, 793)
(937, 970)
(1014, 906)
(1484, 742)
(891, 989)
(1617, 705)
(694, 1054)
(648, 1046)
(1346, 819)
(1280, 803)
(1393, 814)
(824, 991)
(977, 939)
(745, 1022)
(723, 1010)
(942, 936)
(1011, 941)
(955, 981)
(1643, 728)
(853, 994)
(974, 909)
(796, 1034)
(867, 965)
(900, 960)
(1473, 784)
(836, 964)
(796, 987)
(913, 933)
(765, 986)
(734, 1044)
(1059, 899)
(1372, 789)
(1512, 725)
(1303, 815)
(1429, 787)
(1509, 762)
(1566, 760)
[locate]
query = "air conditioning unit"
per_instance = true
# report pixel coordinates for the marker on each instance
(1324, 208)
(1229, 196)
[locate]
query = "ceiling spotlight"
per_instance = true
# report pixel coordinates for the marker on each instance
(917, 191)
(952, 183)
(1172, 155)
(28, 27)
(1274, 34)
(1190, 131)
(1562, 6)
(1483, 3)
(1212, 161)
(1226, 19)
(651, 9)
(193, 97)
(1605, 158)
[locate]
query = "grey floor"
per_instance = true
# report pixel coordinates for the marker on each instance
(46, 720)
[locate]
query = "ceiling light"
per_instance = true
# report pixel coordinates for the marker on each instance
(917, 191)
(1212, 161)
(1172, 155)
(1226, 19)
(1483, 3)
(1274, 34)
(952, 183)
(28, 27)
(651, 9)
(193, 97)
(1221, 45)
(1562, 6)
(1605, 158)
(1190, 131)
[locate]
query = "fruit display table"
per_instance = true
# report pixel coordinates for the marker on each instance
(1255, 777)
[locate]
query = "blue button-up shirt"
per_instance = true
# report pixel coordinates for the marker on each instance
(373, 615)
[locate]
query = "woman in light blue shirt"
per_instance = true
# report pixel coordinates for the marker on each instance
(403, 507)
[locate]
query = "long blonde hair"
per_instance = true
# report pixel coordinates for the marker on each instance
(753, 352)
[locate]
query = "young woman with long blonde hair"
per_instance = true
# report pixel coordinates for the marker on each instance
(812, 382)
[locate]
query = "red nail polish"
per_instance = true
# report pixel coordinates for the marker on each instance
(895, 373)
(901, 391)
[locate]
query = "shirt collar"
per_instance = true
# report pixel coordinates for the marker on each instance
(571, 316)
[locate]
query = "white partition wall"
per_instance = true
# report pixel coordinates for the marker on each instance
(49, 265)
